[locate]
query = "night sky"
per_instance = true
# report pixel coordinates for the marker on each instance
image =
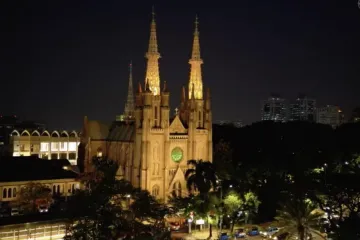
(61, 60)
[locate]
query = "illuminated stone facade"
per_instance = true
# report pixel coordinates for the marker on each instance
(153, 150)
(45, 144)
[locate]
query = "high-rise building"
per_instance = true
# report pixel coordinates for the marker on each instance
(153, 150)
(303, 109)
(330, 115)
(237, 123)
(274, 109)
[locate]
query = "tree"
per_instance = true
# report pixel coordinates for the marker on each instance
(201, 177)
(299, 218)
(98, 211)
(33, 193)
(239, 206)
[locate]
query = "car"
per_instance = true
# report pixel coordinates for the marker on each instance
(14, 211)
(240, 233)
(224, 236)
(269, 232)
(43, 209)
(281, 236)
(253, 232)
(174, 226)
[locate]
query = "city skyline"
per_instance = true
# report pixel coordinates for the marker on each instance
(66, 64)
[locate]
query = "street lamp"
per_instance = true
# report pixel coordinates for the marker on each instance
(221, 196)
(325, 166)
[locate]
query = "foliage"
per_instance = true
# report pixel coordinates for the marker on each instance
(101, 210)
(31, 194)
(240, 206)
(200, 177)
(299, 218)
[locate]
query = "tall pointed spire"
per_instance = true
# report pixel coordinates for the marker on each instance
(152, 71)
(195, 62)
(130, 106)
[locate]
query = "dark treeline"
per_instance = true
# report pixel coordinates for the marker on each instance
(266, 156)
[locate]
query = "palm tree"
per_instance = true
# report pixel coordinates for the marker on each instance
(202, 178)
(299, 218)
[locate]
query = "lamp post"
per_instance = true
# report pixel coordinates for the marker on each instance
(325, 166)
(128, 196)
(221, 213)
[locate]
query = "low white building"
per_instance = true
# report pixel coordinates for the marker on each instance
(45, 144)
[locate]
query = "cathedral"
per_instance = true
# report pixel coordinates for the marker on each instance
(150, 146)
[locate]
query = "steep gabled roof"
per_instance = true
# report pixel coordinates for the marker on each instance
(16, 169)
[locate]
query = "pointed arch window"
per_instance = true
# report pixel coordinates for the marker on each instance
(155, 190)
(177, 189)
(199, 119)
(9, 193)
(4, 193)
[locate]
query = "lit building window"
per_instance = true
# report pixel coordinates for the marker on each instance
(44, 156)
(99, 154)
(54, 146)
(63, 146)
(44, 147)
(72, 146)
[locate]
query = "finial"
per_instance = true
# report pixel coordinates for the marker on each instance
(183, 94)
(130, 65)
(147, 86)
(165, 87)
(176, 111)
(139, 88)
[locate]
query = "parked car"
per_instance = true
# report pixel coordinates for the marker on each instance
(281, 236)
(224, 236)
(253, 232)
(269, 232)
(15, 211)
(240, 233)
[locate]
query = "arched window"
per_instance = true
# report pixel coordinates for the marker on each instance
(9, 193)
(73, 188)
(177, 189)
(14, 192)
(4, 193)
(199, 118)
(54, 189)
(58, 189)
(155, 190)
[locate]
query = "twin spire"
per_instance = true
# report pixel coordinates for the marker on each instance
(152, 78)
(195, 82)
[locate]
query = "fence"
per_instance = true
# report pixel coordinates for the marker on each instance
(33, 231)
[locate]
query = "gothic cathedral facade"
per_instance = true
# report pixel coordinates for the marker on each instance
(150, 146)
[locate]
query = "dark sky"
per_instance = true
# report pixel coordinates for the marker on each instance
(61, 60)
